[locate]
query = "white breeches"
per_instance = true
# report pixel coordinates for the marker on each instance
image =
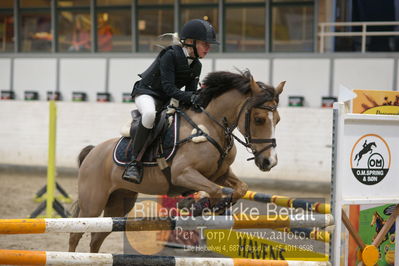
(146, 106)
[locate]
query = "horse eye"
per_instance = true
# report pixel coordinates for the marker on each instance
(259, 121)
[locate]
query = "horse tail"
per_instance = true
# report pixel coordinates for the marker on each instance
(83, 153)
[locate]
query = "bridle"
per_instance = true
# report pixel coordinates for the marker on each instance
(248, 138)
(228, 130)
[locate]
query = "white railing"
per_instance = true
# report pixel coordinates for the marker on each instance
(325, 26)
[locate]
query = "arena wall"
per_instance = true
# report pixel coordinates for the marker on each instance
(310, 75)
(303, 137)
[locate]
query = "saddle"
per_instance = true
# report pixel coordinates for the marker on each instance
(162, 141)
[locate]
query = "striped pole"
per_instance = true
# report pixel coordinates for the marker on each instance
(283, 201)
(22, 257)
(314, 234)
(241, 221)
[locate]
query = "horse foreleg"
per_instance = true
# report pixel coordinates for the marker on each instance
(192, 179)
(232, 181)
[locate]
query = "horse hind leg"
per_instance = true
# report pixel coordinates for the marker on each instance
(74, 238)
(119, 204)
(86, 208)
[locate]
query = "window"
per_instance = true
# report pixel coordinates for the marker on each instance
(291, 24)
(198, 1)
(114, 31)
(73, 3)
(114, 2)
(35, 26)
(6, 31)
(245, 1)
(35, 31)
(151, 24)
(74, 31)
(35, 3)
(292, 27)
(290, 1)
(245, 29)
(6, 26)
(6, 4)
(155, 2)
(209, 14)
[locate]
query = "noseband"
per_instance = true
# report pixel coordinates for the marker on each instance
(228, 130)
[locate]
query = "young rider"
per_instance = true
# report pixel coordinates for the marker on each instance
(175, 67)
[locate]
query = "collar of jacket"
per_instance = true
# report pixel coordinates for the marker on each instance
(189, 58)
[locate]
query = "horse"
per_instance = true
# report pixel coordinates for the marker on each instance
(366, 148)
(229, 100)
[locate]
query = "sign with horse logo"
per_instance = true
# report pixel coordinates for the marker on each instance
(370, 159)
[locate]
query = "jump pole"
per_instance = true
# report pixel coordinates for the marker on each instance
(24, 257)
(284, 201)
(77, 225)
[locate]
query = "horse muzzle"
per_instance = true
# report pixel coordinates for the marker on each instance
(266, 163)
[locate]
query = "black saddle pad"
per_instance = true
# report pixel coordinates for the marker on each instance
(123, 150)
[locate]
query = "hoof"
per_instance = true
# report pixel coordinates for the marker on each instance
(186, 203)
(200, 206)
(222, 205)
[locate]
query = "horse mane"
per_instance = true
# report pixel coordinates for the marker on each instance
(219, 82)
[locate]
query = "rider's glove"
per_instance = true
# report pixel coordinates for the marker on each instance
(195, 99)
(196, 103)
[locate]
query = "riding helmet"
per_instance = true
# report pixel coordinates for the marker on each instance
(199, 29)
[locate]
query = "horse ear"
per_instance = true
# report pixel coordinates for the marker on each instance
(280, 87)
(255, 88)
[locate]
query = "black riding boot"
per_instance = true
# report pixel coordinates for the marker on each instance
(134, 170)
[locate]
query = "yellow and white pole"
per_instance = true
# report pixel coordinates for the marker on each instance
(51, 158)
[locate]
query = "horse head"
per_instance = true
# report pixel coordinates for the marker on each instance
(258, 121)
(251, 107)
(377, 220)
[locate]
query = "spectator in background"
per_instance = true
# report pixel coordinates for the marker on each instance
(104, 33)
(81, 40)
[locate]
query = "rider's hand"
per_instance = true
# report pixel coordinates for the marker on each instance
(195, 99)
(195, 103)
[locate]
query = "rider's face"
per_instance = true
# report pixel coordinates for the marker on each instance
(203, 48)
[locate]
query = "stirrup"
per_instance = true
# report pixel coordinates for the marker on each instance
(133, 173)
